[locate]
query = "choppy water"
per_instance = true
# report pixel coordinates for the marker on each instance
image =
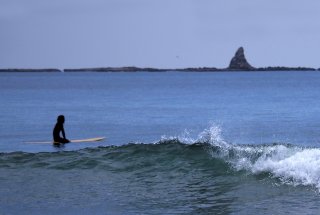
(177, 143)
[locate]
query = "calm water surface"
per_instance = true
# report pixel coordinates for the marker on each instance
(250, 108)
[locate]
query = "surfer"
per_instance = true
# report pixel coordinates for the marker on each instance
(57, 129)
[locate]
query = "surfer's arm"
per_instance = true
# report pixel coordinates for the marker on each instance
(63, 133)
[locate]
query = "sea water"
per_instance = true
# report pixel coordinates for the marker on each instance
(176, 143)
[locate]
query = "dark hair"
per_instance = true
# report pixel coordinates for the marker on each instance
(60, 119)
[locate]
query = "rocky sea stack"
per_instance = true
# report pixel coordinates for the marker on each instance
(239, 61)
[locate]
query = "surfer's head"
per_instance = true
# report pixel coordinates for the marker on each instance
(60, 119)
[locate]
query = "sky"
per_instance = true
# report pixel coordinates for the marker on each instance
(158, 33)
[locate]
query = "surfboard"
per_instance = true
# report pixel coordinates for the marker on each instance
(95, 139)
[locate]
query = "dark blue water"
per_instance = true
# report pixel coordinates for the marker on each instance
(191, 143)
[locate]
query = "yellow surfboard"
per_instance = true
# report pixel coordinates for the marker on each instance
(95, 139)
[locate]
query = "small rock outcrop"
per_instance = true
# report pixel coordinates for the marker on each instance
(239, 61)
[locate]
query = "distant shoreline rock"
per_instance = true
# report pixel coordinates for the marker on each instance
(138, 69)
(240, 63)
(237, 63)
(30, 70)
(283, 68)
(114, 69)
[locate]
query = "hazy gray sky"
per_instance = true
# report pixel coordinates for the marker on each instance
(158, 33)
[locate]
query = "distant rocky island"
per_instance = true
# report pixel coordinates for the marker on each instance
(240, 63)
(237, 63)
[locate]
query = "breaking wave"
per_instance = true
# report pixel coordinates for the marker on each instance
(290, 164)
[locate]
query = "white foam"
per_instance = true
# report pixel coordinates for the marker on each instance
(292, 164)
(213, 136)
(185, 138)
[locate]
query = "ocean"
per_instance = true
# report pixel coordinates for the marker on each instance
(176, 143)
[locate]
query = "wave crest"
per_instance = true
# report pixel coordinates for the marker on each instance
(293, 165)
